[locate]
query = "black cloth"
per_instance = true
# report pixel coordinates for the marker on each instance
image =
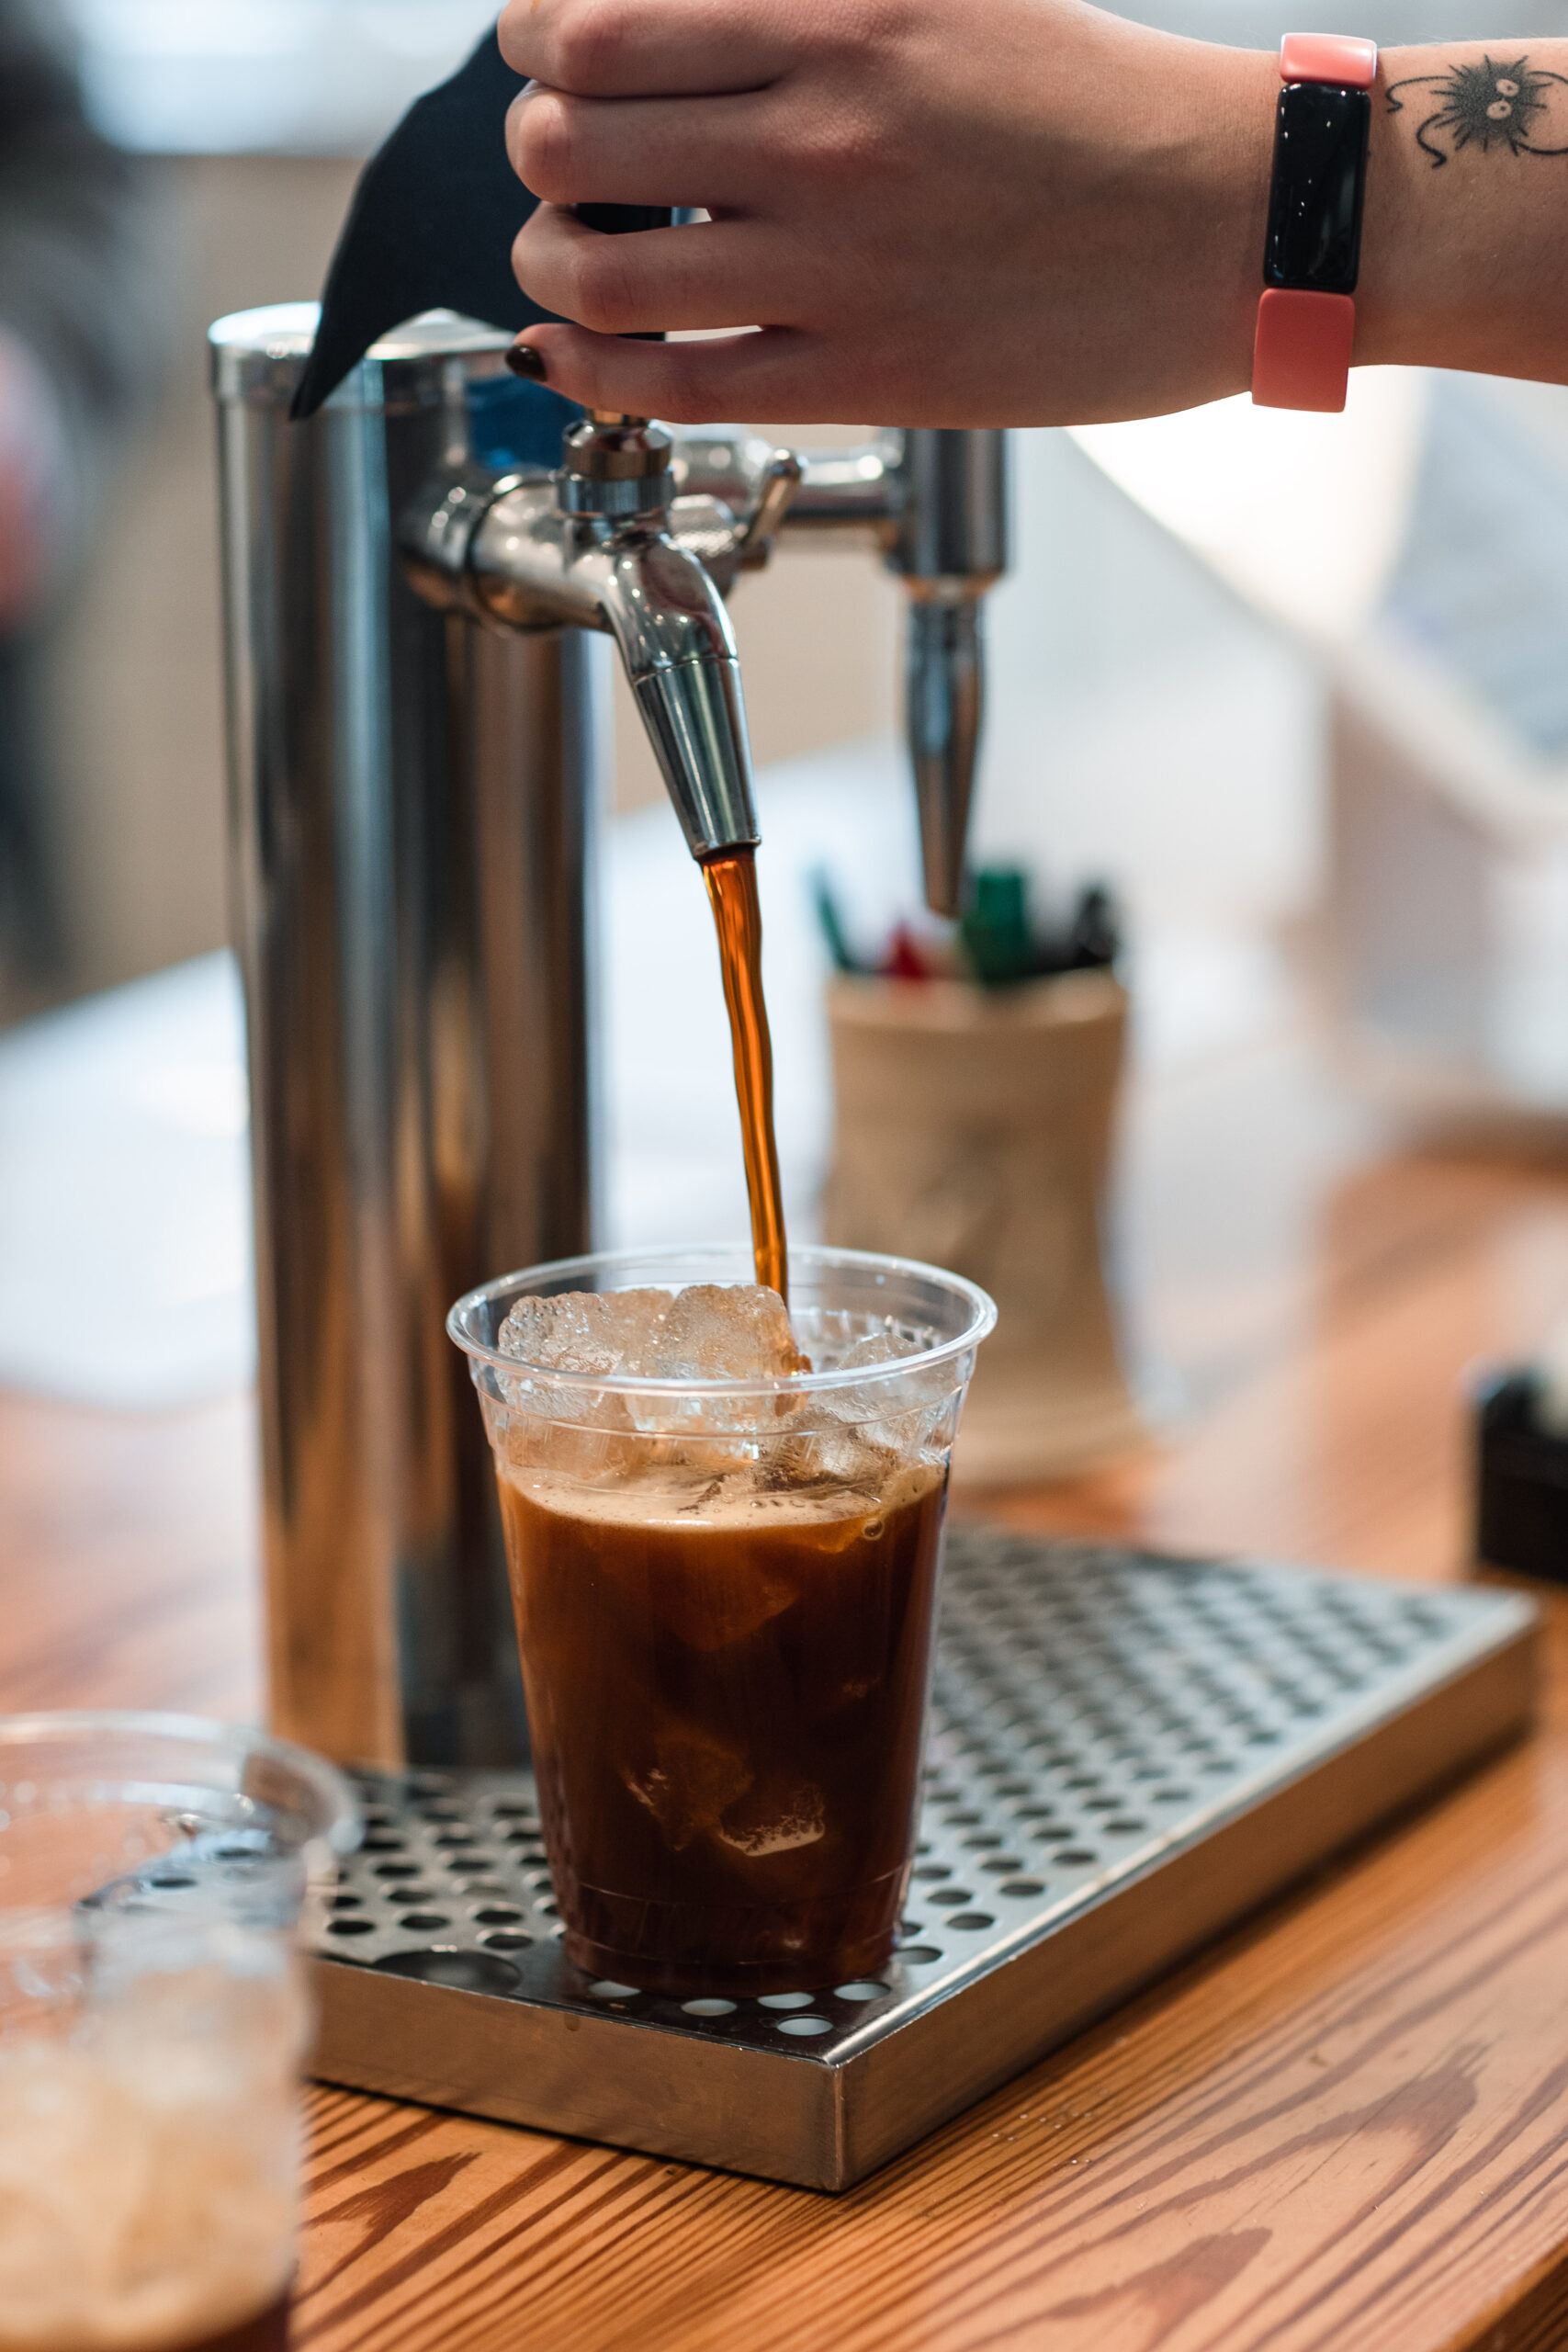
(431, 225)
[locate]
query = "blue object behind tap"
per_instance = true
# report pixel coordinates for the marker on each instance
(516, 422)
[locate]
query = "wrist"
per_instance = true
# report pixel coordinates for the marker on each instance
(1466, 227)
(1393, 296)
(1202, 143)
(1244, 160)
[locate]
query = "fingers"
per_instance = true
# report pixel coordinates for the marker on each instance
(697, 151)
(713, 274)
(775, 373)
(617, 49)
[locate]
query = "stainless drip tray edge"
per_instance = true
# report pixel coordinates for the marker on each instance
(1128, 1754)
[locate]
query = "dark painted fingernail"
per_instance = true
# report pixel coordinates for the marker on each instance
(524, 360)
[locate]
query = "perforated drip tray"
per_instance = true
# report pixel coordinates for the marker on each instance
(1127, 1753)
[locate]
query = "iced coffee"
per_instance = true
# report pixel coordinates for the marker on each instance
(723, 1531)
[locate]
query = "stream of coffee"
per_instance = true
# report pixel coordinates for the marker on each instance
(737, 918)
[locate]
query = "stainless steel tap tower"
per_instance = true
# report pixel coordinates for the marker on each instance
(419, 582)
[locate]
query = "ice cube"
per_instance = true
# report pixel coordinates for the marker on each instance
(707, 1332)
(693, 1779)
(586, 1331)
(709, 1604)
(879, 1347)
(775, 1817)
(728, 1332)
(903, 1410)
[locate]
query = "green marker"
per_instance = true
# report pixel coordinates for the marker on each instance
(995, 926)
(831, 926)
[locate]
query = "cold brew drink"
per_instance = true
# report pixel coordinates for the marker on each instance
(726, 1690)
(722, 1528)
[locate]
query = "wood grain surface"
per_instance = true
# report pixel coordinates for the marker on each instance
(1344, 2126)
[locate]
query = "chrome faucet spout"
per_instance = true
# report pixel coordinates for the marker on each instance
(951, 545)
(934, 501)
(678, 651)
(607, 544)
(660, 602)
(942, 681)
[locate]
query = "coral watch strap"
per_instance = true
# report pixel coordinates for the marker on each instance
(1306, 316)
(1301, 352)
(1341, 58)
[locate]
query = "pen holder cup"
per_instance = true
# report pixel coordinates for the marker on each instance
(973, 1130)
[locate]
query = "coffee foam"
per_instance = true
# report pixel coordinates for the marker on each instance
(748, 1498)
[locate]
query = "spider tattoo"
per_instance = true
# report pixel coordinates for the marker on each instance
(1494, 104)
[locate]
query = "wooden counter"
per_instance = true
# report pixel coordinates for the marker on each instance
(1344, 2128)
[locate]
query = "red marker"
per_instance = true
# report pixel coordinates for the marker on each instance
(903, 960)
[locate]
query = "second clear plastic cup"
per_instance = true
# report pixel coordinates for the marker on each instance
(153, 1870)
(725, 1595)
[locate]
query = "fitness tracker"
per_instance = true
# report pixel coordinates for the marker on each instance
(1306, 316)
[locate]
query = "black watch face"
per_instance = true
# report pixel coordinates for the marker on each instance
(1314, 238)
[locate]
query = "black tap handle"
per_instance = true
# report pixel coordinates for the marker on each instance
(621, 219)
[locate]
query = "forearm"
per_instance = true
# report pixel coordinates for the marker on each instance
(1046, 216)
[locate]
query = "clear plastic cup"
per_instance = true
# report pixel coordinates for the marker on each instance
(725, 1595)
(154, 1873)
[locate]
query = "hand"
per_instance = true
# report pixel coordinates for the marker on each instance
(1009, 212)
